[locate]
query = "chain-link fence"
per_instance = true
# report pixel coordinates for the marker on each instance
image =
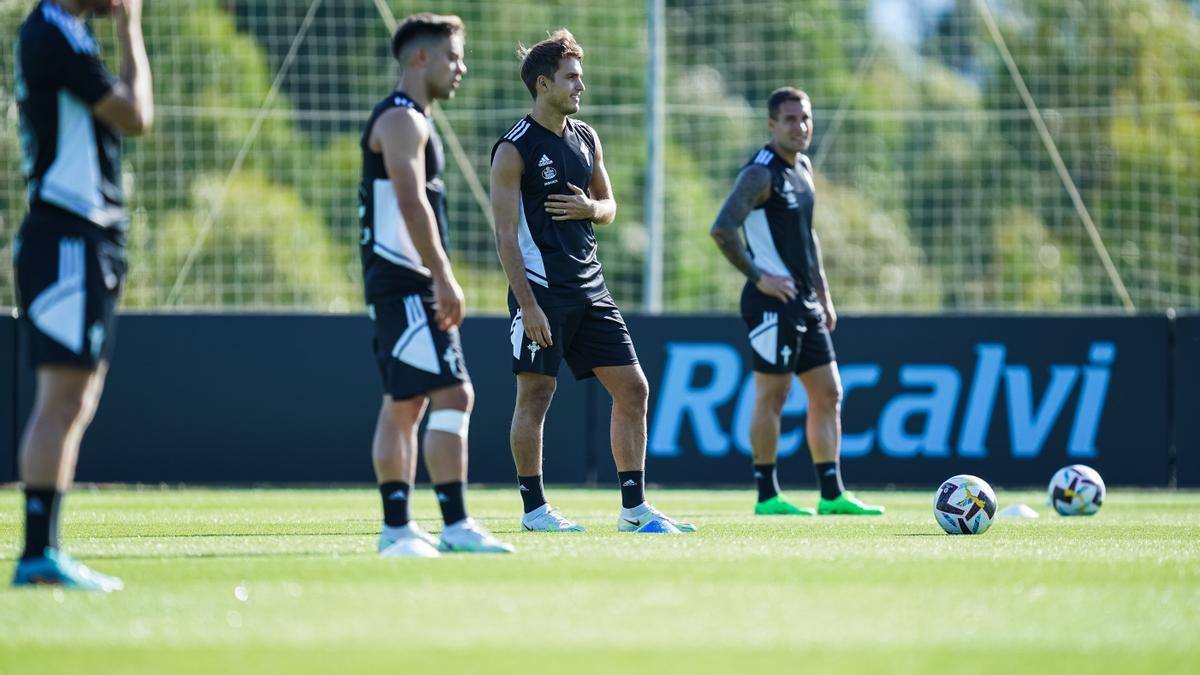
(1048, 161)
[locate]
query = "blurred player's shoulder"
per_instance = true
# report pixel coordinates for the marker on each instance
(48, 23)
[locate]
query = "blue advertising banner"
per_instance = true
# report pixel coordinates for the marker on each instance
(1187, 400)
(1009, 399)
(293, 399)
(8, 398)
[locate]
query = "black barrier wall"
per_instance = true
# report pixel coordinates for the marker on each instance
(279, 399)
(282, 398)
(1187, 400)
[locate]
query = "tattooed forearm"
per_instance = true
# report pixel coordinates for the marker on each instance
(748, 191)
(730, 243)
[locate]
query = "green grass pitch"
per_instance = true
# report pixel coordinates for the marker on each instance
(286, 581)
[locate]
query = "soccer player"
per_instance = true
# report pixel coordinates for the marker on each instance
(70, 251)
(786, 305)
(413, 298)
(549, 187)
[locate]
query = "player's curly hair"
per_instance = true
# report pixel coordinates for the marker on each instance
(783, 95)
(420, 29)
(543, 58)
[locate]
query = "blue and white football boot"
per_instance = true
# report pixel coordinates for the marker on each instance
(639, 519)
(55, 568)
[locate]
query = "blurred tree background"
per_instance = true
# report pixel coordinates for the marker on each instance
(934, 189)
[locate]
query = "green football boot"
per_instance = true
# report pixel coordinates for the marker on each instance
(778, 506)
(846, 504)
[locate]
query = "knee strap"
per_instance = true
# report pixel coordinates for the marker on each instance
(450, 421)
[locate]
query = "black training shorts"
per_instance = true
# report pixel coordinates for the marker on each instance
(70, 273)
(587, 335)
(785, 337)
(414, 356)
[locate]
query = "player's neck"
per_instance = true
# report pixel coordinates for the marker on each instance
(549, 118)
(414, 88)
(787, 155)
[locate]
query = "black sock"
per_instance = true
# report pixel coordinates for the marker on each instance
(768, 486)
(395, 503)
(41, 521)
(454, 504)
(633, 490)
(829, 475)
(531, 492)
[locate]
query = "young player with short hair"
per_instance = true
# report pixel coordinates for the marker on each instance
(413, 298)
(549, 188)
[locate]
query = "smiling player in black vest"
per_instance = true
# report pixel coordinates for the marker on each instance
(786, 305)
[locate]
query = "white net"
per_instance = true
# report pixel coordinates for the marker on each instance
(935, 189)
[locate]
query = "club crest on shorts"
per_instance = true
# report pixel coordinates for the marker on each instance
(453, 360)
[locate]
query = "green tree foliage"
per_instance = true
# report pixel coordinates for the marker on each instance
(211, 81)
(934, 191)
(284, 254)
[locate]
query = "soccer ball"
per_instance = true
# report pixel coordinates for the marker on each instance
(964, 504)
(1076, 490)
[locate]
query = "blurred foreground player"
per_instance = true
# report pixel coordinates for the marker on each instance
(786, 305)
(549, 187)
(413, 298)
(70, 251)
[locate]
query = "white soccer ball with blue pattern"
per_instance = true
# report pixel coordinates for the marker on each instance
(1076, 490)
(964, 504)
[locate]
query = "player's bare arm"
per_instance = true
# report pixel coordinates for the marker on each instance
(822, 284)
(129, 107)
(752, 188)
(507, 167)
(600, 207)
(400, 135)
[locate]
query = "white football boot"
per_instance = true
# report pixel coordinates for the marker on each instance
(407, 541)
(546, 518)
(468, 536)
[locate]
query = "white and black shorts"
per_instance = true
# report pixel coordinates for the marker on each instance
(70, 273)
(414, 356)
(785, 337)
(586, 335)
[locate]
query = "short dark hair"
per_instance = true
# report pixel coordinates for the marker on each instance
(783, 95)
(421, 27)
(544, 57)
